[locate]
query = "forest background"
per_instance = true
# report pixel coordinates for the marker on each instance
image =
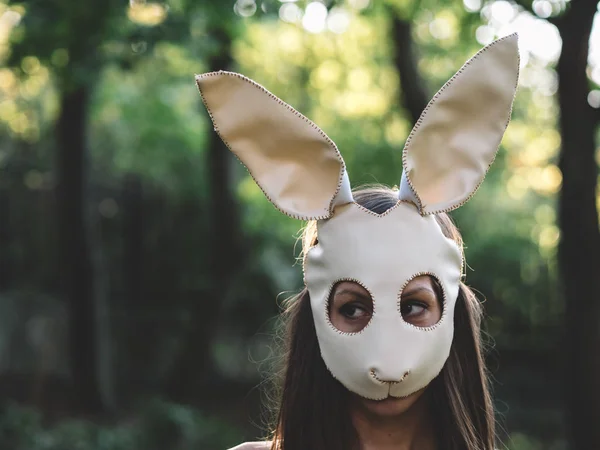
(141, 269)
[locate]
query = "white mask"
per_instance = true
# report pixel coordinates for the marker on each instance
(302, 173)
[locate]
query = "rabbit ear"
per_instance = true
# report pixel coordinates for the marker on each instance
(299, 169)
(457, 136)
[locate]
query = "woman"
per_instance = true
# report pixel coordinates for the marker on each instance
(455, 408)
(384, 343)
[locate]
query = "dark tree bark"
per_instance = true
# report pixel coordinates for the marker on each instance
(133, 239)
(75, 258)
(135, 343)
(5, 237)
(413, 95)
(579, 248)
(223, 208)
(193, 367)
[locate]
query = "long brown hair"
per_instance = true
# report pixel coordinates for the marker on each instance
(312, 409)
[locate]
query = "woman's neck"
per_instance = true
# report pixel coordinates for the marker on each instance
(411, 430)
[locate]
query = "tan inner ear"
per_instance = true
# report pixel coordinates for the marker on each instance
(297, 166)
(455, 141)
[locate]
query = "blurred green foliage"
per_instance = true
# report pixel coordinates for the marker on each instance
(159, 425)
(146, 123)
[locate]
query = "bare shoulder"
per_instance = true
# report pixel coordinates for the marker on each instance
(264, 445)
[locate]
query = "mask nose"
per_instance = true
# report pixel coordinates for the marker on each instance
(388, 377)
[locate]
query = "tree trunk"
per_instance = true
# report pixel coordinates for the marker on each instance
(133, 212)
(75, 261)
(412, 92)
(579, 248)
(138, 301)
(194, 366)
(5, 237)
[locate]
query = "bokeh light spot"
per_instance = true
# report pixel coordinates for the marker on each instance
(290, 12)
(484, 34)
(245, 8)
(33, 179)
(60, 57)
(108, 208)
(542, 8)
(472, 5)
(359, 4)
(30, 65)
(548, 237)
(338, 20)
(148, 14)
(315, 17)
(502, 11)
(593, 98)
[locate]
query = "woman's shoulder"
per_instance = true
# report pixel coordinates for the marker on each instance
(263, 445)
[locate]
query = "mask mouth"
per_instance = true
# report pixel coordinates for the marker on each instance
(390, 383)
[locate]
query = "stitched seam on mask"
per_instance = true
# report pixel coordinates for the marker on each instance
(444, 302)
(362, 208)
(330, 291)
(463, 259)
(304, 258)
(422, 117)
(385, 396)
(403, 396)
(300, 115)
(339, 381)
(372, 373)
(385, 213)
(424, 386)
(398, 397)
(463, 263)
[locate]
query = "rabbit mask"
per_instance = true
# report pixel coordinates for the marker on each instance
(301, 171)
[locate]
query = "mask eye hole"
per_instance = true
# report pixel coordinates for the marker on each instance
(422, 301)
(350, 306)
